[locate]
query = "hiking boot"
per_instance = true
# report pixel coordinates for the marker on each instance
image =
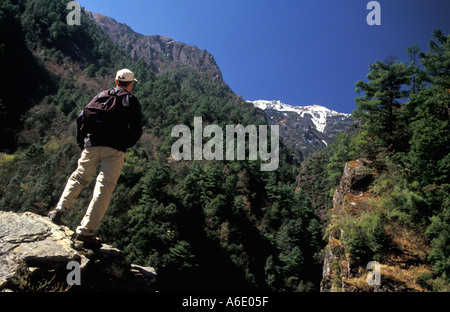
(56, 214)
(89, 241)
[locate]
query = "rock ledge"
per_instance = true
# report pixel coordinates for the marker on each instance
(35, 254)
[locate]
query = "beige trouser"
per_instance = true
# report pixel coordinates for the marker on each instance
(111, 164)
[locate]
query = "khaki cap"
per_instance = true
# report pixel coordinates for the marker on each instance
(125, 75)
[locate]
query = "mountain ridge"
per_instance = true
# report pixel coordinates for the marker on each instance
(161, 54)
(304, 129)
(319, 113)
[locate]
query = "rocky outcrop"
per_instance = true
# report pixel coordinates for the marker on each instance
(38, 255)
(350, 195)
(402, 259)
(162, 54)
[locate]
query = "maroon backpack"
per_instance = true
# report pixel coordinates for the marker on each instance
(105, 111)
(104, 116)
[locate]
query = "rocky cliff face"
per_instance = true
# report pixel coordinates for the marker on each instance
(37, 255)
(402, 259)
(162, 54)
(350, 195)
(305, 129)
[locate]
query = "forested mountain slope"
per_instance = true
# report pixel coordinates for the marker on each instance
(203, 224)
(224, 225)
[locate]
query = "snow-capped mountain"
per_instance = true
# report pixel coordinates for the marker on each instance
(319, 114)
(304, 129)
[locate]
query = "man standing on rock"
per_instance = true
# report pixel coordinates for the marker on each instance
(112, 124)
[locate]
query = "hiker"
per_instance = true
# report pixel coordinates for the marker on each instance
(104, 145)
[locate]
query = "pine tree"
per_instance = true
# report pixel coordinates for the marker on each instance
(429, 155)
(379, 109)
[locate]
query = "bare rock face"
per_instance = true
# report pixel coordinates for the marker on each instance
(162, 54)
(350, 197)
(355, 180)
(35, 255)
(401, 260)
(35, 241)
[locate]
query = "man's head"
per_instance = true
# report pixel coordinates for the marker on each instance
(125, 79)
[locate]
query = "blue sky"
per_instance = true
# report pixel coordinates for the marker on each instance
(301, 52)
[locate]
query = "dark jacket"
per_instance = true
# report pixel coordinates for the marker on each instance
(126, 131)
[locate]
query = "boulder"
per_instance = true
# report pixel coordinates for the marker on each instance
(35, 255)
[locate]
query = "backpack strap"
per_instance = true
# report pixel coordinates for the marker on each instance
(121, 92)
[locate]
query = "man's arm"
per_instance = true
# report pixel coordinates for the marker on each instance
(135, 125)
(81, 133)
